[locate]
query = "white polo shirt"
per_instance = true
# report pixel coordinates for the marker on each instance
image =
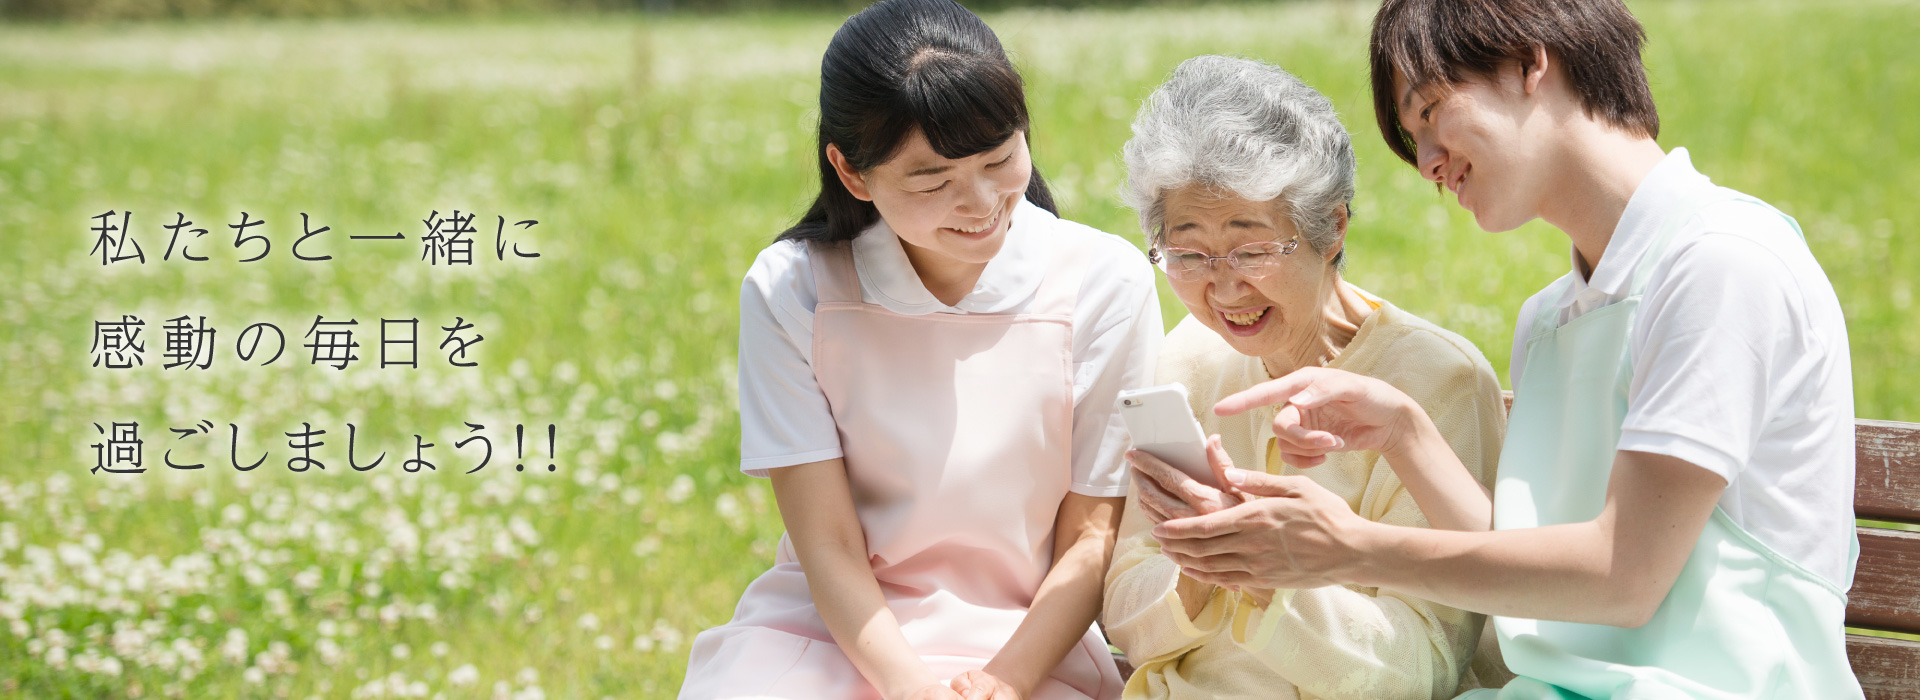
(1740, 362)
(784, 419)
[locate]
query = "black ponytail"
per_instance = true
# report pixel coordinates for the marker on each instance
(900, 65)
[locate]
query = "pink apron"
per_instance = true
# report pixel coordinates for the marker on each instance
(956, 430)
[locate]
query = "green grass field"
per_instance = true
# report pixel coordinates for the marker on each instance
(658, 156)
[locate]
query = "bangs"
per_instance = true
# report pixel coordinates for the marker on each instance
(1440, 43)
(1403, 44)
(964, 104)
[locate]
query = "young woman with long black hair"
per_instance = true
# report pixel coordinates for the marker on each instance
(928, 367)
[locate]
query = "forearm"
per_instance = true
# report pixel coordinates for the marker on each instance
(1571, 573)
(1068, 600)
(1614, 570)
(817, 507)
(1447, 493)
(856, 614)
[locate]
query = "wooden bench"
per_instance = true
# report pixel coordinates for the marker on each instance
(1886, 583)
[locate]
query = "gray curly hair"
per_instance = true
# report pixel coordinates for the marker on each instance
(1243, 127)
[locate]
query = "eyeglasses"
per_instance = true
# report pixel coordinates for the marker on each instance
(1253, 260)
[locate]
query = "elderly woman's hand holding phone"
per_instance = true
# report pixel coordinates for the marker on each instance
(1160, 423)
(1169, 494)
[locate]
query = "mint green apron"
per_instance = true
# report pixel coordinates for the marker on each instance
(1741, 621)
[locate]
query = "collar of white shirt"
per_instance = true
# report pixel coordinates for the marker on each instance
(1669, 184)
(1010, 278)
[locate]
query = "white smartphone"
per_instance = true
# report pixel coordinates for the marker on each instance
(1162, 425)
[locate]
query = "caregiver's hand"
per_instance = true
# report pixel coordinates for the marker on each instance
(1299, 535)
(1166, 493)
(1328, 410)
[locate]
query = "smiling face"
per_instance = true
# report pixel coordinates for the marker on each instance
(948, 211)
(1276, 315)
(1484, 141)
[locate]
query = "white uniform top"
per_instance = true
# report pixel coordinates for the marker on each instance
(784, 419)
(1740, 362)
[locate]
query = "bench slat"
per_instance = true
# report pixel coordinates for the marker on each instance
(1888, 669)
(1886, 482)
(1886, 591)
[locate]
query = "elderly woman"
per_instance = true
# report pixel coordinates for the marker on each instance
(1243, 178)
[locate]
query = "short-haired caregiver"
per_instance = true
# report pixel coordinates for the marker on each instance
(1673, 514)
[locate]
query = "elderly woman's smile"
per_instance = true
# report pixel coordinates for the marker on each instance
(1254, 285)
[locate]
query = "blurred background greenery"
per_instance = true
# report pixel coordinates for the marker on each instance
(112, 10)
(659, 151)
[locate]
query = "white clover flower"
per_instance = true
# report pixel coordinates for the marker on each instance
(603, 642)
(439, 649)
(728, 506)
(523, 531)
(680, 490)
(234, 649)
(464, 676)
(590, 622)
(307, 580)
(330, 652)
(668, 637)
(127, 641)
(402, 651)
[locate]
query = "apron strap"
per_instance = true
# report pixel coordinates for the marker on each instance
(1687, 211)
(1664, 239)
(1544, 321)
(1061, 286)
(834, 278)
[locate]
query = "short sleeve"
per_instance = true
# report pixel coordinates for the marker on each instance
(784, 418)
(1713, 333)
(1118, 354)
